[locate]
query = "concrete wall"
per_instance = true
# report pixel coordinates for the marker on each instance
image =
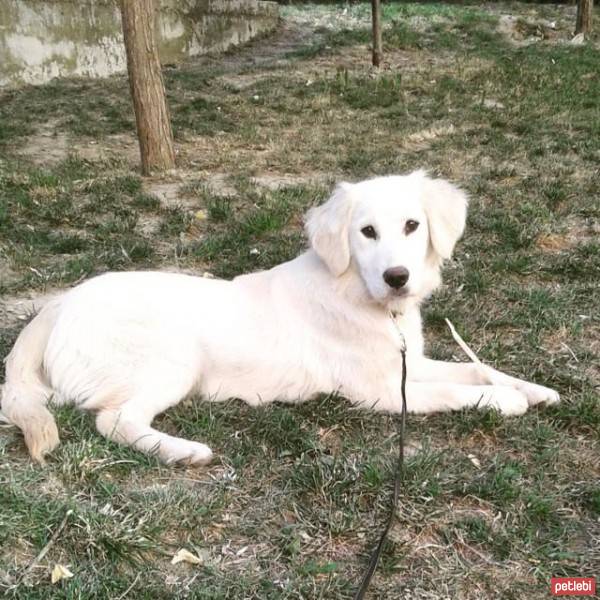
(43, 39)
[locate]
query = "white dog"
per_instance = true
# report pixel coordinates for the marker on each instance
(130, 345)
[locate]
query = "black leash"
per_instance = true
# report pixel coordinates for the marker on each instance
(398, 478)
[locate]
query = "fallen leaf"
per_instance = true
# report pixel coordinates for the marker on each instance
(474, 460)
(412, 448)
(491, 103)
(184, 555)
(60, 572)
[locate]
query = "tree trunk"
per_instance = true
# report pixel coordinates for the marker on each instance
(377, 44)
(147, 87)
(584, 16)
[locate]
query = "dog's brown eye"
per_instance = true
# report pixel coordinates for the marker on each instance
(410, 226)
(369, 231)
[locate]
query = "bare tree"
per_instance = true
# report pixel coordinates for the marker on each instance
(377, 44)
(585, 9)
(147, 87)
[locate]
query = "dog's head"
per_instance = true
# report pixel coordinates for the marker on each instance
(394, 232)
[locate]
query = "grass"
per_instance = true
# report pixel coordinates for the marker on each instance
(491, 507)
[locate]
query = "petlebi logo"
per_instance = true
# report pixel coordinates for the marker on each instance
(573, 586)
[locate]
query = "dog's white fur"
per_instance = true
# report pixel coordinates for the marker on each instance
(130, 345)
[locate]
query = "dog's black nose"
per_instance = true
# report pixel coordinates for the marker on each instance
(396, 277)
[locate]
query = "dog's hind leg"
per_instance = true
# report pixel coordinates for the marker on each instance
(131, 426)
(128, 421)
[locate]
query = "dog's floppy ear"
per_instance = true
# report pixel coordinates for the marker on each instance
(327, 229)
(446, 210)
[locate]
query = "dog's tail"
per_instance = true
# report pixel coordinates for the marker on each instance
(25, 392)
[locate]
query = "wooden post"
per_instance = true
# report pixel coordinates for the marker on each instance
(147, 87)
(584, 17)
(377, 44)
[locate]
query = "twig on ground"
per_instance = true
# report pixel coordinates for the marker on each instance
(47, 547)
(129, 588)
(462, 343)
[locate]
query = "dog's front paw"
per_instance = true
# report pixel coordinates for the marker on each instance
(538, 394)
(507, 400)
